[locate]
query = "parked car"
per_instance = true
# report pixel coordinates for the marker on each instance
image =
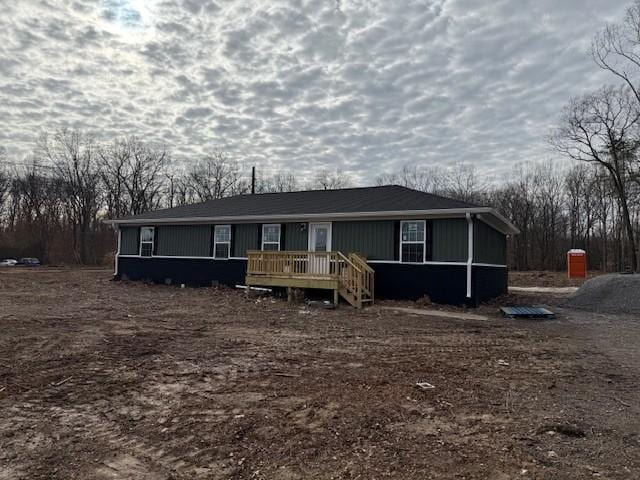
(8, 262)
(29, 262)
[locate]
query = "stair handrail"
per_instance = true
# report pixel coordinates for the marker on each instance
(368, 280)
(361, 261)
(357, 286)
(355, 258)
(348, 261)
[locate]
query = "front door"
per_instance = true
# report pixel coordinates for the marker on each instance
(319, 241)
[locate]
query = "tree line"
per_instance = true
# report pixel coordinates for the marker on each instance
(52, 205)
(554, 208)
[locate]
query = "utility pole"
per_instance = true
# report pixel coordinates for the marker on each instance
(253, 180)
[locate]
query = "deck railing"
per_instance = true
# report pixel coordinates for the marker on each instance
(293, 263)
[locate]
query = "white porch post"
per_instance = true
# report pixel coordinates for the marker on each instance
(469, 254)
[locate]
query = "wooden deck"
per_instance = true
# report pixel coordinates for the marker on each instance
(348, 276)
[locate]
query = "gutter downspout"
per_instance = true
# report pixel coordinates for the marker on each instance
(469, 254)
(116, 273)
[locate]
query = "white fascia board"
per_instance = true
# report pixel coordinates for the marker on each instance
(499, 222)
(502, 224)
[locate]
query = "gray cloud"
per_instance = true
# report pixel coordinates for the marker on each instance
(302, 84)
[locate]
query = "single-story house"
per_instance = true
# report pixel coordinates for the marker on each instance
(400, 243)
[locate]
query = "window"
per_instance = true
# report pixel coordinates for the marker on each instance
(221, 241)
(412, 244)
(146, 241)
(271, 237)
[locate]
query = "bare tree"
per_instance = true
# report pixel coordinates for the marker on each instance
(171, 197)
(463, 183)
(281, 182)
(326, 180)
(425, 179)
(73, 157)
(114, 161)
(517, 200)
(600, 128)
(35, 210)
(183, 194)
(616, 49)
(549, 200)
(145, 182)
(133, 175)
(5, 183)
(216, 176)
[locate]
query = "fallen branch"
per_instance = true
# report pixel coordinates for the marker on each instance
(622, 402)
(62, 381)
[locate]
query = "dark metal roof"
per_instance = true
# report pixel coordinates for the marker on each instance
(390, 198)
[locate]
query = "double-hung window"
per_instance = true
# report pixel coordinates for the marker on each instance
(146, 241)
(271, 237)
(221, 241)
(412, 241)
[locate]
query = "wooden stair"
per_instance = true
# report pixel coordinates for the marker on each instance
(356, 280)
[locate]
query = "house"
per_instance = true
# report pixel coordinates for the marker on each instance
(389, 241)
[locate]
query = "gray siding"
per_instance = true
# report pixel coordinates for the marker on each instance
(296, 236)
(248, 236)
(245, 237)
(129, 238)
(372, 239)
(183, 240)
(450, 240)
(490, 246)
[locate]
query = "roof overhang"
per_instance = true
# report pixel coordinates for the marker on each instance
(486, 214)
(498, 221)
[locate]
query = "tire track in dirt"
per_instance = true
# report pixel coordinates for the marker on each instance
(135, 456)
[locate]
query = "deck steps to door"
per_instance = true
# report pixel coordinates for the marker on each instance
(348, 276)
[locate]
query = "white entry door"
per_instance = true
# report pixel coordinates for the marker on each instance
(319, 241)
(320, 237)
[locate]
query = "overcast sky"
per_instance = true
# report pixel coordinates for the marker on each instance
(364, 86)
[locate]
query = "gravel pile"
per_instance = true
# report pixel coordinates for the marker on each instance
(616, 293)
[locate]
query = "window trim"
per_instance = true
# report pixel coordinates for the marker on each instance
(152, 242)
(423, 242)
(263, 243)
(216, 242)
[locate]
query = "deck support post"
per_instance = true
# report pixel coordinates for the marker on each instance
(289, 294)
(335, 297)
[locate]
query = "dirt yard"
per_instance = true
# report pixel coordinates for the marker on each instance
(545, 278)
(118, 380)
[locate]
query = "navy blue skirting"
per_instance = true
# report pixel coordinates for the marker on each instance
(397, 281)
(441, 283)
(489, 282)
(190, 271)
